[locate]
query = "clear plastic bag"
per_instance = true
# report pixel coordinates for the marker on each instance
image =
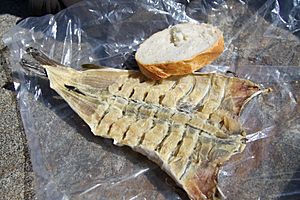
(71, 163)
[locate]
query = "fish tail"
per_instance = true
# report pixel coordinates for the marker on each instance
(35, 61)
(41, 57)
(32, 67)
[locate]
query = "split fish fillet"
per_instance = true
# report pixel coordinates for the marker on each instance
(188, 125)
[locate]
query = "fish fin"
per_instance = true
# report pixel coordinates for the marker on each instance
(89, 66)
(96, 76)
(262, 91)
(201, 184)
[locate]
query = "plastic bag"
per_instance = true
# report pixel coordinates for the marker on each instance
(71, 163)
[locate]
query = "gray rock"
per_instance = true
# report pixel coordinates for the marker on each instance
(16, 172)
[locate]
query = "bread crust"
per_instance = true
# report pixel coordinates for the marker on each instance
(165, 70)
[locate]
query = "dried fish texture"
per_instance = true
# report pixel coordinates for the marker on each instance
(188, 125)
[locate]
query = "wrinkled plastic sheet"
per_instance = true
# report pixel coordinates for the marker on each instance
(71, 163)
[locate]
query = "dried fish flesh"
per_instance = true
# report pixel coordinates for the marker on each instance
(188, 125)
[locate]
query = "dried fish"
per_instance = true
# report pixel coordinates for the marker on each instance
(188, 125)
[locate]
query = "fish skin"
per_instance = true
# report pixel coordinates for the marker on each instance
(188, 125)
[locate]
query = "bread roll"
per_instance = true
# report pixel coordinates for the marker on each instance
(178, 50)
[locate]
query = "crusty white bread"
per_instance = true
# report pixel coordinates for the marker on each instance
(180, 49)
